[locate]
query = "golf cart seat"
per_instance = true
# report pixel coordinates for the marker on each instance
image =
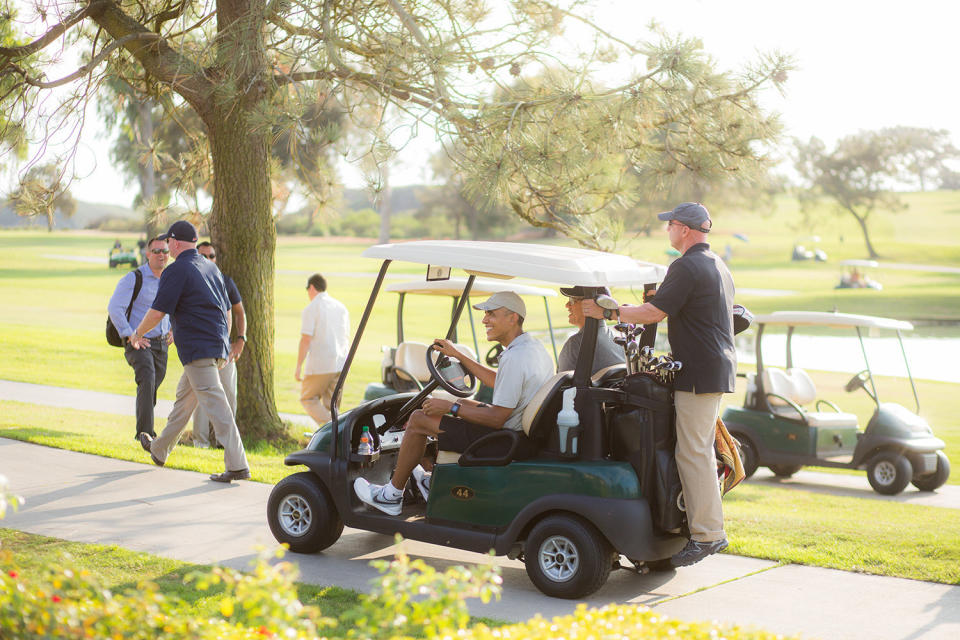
(504, 445)
(788, 391)
(410, 362)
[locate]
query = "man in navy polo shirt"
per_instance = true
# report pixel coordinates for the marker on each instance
(697, 295)
(193, 293)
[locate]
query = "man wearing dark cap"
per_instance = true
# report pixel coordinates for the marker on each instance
(524, 367)
(193, 293)
(608, 352)
(697, 296)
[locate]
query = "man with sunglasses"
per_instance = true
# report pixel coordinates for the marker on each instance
(202, 427)
(697, 296)
(150, 364)
(607, 352)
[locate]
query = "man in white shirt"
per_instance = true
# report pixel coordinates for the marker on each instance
(324, 342)
(524, 367)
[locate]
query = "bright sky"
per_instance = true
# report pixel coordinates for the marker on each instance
(861, 65)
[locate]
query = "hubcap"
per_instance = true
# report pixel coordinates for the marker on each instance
(885, 472)
(559, 559)
(295, 515)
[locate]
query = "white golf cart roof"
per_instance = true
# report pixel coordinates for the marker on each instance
(560, 265)
(873, 264)
(827, 319)
(454, 287)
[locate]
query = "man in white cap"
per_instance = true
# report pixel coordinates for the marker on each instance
(524, 367)
(697, 295)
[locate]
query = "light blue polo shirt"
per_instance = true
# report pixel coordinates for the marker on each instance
(117, 307)
(524, 367)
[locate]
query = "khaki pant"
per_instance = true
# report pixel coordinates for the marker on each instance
(202, 425)
(316, 394)
(697, 463)
(200, 384)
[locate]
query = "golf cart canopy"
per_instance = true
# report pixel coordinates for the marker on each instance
(560, 265)
(455, 286)
(827, 319)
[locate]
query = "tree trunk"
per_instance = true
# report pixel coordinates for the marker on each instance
(384, 207)
(862, 221)
(242, 229)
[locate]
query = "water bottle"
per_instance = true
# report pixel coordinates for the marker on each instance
(366, 443)
(567, 419)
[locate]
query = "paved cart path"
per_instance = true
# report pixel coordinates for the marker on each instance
(183, 515)
(853, 485)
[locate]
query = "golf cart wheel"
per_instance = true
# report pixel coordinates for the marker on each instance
(113, 265)
(301, 513)
(935, 480)
(567, 557)
(748, 454)
(889, 473)
(784, 470)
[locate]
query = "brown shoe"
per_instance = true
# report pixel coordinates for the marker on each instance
(230, 476)
(145, 442)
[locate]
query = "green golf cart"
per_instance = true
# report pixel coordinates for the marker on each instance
(568, 506)
(784, 426)
(120, 255)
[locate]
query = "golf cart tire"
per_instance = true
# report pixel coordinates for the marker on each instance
(113, 265)
(784, 470)
(581, 550)
(935, 480)
(302, 514)
(889, 473)
(748, 455)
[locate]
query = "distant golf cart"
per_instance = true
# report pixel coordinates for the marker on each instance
(568, 495)
(120, 255)
(403, 368)
(854, 275)
(808, 251)
(777, 427)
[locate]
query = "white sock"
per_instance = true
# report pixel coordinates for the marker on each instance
(391, 492)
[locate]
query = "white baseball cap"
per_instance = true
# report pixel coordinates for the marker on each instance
(507, 300)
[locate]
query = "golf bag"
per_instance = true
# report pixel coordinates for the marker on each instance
(642, 432)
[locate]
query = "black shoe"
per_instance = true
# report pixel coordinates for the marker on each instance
(695, 551)
(229, 476)
(145, 441)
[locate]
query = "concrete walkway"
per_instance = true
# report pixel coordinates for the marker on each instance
(832, 483)
(183, 515)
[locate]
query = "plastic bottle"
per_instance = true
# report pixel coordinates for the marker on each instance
(366, 443)
(567, 419)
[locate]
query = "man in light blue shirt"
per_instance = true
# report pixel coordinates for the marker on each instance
(149, 365)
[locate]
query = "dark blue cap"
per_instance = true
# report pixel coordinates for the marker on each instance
(181, 230)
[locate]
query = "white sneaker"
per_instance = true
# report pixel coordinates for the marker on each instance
(373, 495)
(422, 479)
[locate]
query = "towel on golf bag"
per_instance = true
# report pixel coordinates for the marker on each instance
(729, 465)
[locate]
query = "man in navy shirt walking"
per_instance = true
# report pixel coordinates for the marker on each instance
(193, 293)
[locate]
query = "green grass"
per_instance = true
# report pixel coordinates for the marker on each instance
(120, 570)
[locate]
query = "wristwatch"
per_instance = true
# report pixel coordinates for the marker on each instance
(455, 409)
(244, 338)
(608, 313)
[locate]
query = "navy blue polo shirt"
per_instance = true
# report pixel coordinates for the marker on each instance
(697, 296)
(233, 293)
(193, 293)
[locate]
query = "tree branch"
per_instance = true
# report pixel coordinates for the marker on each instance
(15, 53)
(85, 69)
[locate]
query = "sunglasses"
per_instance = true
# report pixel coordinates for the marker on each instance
(209, 256)
(159, 250)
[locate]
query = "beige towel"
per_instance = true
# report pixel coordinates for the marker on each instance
(729, 466)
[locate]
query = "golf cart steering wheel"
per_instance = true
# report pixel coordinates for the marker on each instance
(450, 375)
(858, 381)
(493, 355)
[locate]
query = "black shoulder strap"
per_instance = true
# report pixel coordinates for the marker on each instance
(136, 290)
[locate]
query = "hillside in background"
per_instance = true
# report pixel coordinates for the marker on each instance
(89, 214)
